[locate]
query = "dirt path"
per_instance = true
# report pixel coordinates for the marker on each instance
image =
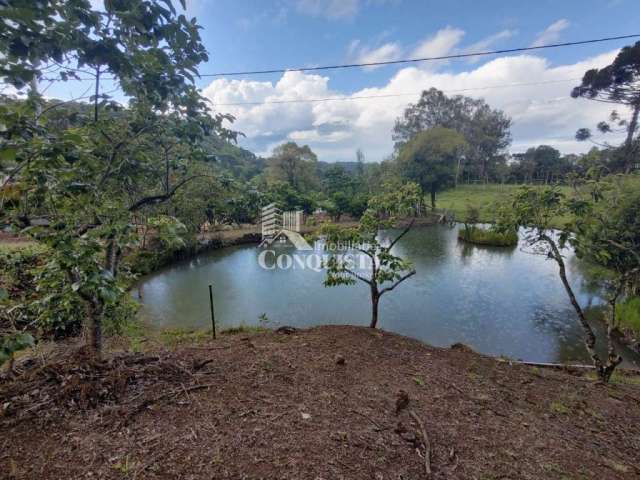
(288, 407)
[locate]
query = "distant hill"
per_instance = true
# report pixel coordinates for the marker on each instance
(241, 163)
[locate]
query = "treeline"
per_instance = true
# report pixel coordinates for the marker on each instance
(441, 141)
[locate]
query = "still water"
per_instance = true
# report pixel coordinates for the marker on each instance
(500, 301)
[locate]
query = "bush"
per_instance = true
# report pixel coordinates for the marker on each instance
(24, 299)
(29, 291)
(490, 237)
(628, 314)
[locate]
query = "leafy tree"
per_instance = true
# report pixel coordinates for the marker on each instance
(594, 160)
(289, 198)
(534, 210)
(542, 164)
(608, 235)
(336, 179)
(294, 165)
(430, 159)
(358, 204)
(338, 204)
(90, 176)
(384, 266)
(486, 130)
(618, 83)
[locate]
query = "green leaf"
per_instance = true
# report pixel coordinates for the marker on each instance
(8, 154)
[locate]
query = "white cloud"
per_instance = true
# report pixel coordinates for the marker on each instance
(551, 34)
(388, 51)
(488, 42)
(10, 90)
(332, 9)
(542, 112)
(443, 42)
(337, 9)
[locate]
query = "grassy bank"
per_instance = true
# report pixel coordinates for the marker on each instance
(329, 402)
(628, 315)
(488, 237)
(484, 197)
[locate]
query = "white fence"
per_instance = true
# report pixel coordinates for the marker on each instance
(274, 220)
(292, 220)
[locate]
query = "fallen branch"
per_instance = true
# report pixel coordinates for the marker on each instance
(159, 398)
(560, 366)
(199, 365)
(425, 441)
(378, 427)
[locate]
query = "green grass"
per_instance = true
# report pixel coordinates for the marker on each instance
(6, 247)
(174, 337)
(244, 329)
(484, 236)
(484, 197)
(559, 407)
(617, 378)
(628, 314)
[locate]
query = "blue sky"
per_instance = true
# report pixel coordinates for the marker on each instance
(262, 34)
(255, 34)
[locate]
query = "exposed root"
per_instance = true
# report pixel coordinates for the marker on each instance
(425, 442)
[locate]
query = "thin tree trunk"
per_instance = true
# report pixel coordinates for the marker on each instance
(590, 338)
(633, 125)
(613, 359)
(375, 298)
(433, 198)
(95, 311)
(96, 95)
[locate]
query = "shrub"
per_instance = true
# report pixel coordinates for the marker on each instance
(29, 292)
(490, 237)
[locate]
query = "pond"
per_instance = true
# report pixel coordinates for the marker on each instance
(500, 301)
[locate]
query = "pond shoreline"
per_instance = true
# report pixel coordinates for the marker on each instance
(220, 239)
(233, 314)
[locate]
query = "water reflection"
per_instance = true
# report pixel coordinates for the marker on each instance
(499, 301)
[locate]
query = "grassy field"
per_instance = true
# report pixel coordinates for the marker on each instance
(484, 197)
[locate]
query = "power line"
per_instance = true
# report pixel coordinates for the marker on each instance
(425, 59)
(389, 95)
(396, 62)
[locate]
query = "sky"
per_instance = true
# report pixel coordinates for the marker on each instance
(263, 34)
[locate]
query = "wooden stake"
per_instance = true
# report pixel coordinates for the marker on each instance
(213, 317)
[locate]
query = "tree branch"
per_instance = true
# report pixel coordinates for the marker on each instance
(406, 230)
(156, 199)
(359, 277)
(402, 279)
(624, 247)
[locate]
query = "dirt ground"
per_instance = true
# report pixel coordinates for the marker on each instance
(325, 403)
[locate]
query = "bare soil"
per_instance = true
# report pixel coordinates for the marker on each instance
(9, 238)
(325, 403)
